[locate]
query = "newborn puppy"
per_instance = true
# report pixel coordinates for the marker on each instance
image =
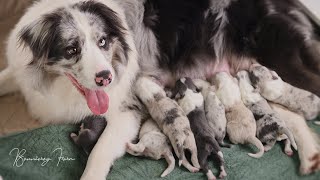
(241, 125)
(269, 125)
(154, 144)
(307, 141)
(274, 89)
(214, 110)
(191, 101)
(90, 130)
(172, 119)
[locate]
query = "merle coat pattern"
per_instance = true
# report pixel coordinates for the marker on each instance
(191, 101)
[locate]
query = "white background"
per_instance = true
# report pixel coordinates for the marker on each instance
(313, 5)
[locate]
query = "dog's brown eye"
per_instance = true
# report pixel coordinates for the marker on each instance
(102, 43)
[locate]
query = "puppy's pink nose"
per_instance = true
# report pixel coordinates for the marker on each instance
(103, 78)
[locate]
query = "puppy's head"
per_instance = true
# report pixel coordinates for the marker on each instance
(187, 95)
(227, 88)
(86, 42)
(266, 81)
(261, 75)
(248, 93)
(182, 86)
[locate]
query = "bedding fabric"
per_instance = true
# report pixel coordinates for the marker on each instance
(49, 142)
(42, 143)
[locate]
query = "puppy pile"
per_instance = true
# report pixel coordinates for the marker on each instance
(255, 107)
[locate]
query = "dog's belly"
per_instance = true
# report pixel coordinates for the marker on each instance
(206, 69)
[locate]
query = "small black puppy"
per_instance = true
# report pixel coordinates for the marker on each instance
(89, 133)
(191, 101)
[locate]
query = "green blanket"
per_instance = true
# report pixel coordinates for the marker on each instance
(50, 142)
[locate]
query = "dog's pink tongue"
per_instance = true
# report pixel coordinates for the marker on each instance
(98, 101)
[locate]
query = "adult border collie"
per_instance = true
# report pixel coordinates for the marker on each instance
(74, 58)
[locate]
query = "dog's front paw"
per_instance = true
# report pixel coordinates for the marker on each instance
(311, 165)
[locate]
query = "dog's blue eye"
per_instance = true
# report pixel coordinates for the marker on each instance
(102, 42)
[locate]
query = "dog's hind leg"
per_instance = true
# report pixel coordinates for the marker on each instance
(218, 153)
(223, 144)
(204, 153)
(171, 163)
(287, 147)
(7, 82)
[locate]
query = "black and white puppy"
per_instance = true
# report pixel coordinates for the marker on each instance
(89, 133)
(191, 101)
(214, 109)
(269, 124)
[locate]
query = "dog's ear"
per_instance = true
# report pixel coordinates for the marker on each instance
(41, 35)
(113, 25)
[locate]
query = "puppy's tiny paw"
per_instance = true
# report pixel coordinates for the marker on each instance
(195, 170)
(222, 174)
(289, 153)
(73, 135)
(267, 148)
(210, 175)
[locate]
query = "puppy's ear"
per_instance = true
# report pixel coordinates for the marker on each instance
(275, 76)
(41, 35)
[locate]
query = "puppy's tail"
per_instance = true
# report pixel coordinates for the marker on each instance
(7, 82)
(287, 132)
(317, 122)
(181, 153)
(171, 163)
(135, 149)
(255, 141)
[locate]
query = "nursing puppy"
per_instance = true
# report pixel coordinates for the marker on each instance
(269, 124)
(307, 141)
(171, 119)
(154, 144)
(89, 133)
(241, 125)
(273, 88)
(214, 109)
(191, 101)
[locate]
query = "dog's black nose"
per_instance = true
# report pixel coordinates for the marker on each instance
(103, 78)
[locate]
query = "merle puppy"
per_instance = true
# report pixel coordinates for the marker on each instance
(269, 124)
(273, 88)
(215, 111)
(154, 144)
(191, 101)
(89, 133)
